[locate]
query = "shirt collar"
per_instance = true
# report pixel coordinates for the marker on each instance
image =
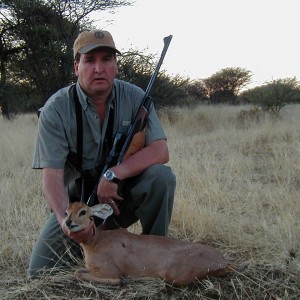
(85, 100)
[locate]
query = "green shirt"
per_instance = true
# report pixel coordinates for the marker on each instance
(57, 133)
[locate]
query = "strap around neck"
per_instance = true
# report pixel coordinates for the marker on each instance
(108, 134)
(78, 111)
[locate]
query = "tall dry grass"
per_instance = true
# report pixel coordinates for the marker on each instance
(238, 182)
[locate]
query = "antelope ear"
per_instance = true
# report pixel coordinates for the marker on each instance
(102, 211)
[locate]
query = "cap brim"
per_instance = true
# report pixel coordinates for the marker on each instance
(89, 48)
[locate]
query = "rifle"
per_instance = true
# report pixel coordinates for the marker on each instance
(125, 146)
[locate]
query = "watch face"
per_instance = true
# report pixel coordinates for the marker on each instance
(109, 175)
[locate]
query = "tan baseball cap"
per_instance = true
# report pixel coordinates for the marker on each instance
(90, 40)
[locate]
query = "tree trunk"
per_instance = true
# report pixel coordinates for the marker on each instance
(3, 99)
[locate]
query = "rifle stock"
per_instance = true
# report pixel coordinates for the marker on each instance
(136, 133)
(125, 146)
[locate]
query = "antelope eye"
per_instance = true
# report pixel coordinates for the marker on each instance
(82, 213)
(66, 213)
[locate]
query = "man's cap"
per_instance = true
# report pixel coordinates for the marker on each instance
(90, 40)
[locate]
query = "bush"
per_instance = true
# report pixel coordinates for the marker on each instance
(274, 95)
(136, 67)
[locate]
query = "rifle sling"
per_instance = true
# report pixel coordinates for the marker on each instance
(79, 124)
(108, 134)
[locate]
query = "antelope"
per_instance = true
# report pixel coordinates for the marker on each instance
(113, 255)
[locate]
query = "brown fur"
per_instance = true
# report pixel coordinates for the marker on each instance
(114, 254)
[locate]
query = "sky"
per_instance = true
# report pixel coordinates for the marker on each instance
(262, 36)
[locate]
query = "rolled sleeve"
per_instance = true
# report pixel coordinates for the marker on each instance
(154, 131)
(51, 147)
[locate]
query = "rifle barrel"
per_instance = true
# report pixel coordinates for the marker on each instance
(167, 41)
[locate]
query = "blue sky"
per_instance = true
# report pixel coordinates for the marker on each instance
(262, 36)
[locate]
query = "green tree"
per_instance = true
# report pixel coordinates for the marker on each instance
(197, 91)
(136, 67)
(225, 85)
(36, 43)
(274, 95)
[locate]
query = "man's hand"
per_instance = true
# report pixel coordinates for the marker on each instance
(81, 236)
(108, 193)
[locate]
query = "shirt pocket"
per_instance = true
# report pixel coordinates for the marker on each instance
(87, 140)
(123, 127)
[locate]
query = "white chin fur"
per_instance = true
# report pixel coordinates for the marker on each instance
(76, 228)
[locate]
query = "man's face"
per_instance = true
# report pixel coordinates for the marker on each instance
(96, 71)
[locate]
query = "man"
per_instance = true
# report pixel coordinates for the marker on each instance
(107, 106)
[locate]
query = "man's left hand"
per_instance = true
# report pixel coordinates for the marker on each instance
(81, 236)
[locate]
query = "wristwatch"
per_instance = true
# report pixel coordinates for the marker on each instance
(110, 175)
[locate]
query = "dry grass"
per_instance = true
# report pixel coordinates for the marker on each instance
(237, 189)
